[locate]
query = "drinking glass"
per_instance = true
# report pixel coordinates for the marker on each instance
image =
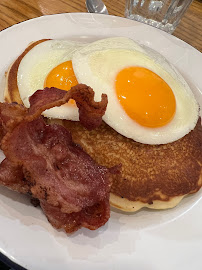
(164, 14)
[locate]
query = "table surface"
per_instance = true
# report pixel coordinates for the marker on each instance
(14, 11)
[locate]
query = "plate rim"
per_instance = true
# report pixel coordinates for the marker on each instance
(62, 14)
(96, 14)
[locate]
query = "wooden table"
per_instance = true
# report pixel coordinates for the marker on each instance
(14, 11)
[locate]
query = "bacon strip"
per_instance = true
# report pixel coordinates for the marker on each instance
(12, 177)
(10, 116)
(72, 189)
(91, 217)
(60, 171)
(90, 112)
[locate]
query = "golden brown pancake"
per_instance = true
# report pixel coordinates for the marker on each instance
(11, 93)
(154, 176)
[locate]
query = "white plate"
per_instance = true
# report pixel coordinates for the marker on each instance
(147, 240)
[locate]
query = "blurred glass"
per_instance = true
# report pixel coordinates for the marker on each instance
(164, 14)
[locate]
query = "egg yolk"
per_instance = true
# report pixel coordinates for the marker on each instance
(62, 77)
(145, 97)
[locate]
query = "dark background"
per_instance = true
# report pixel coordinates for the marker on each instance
(4, 266)
(7, 264)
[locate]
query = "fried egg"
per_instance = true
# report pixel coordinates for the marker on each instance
(148, 100)
(49, 64)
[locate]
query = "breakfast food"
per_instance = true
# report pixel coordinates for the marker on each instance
(148, 101)
(158, 115)
(43, 161)
(35, 66)
(153, 176)
(154, 134)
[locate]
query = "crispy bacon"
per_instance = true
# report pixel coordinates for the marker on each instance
(90, 217)
(90, 112)
(10, 116)
(12, 177)
(60, 171)
(72, 189)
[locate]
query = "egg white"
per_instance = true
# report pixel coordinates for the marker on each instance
(98, 64)
(36, 65)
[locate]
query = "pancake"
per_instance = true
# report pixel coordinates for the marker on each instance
(153, 176)
(11, 93)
